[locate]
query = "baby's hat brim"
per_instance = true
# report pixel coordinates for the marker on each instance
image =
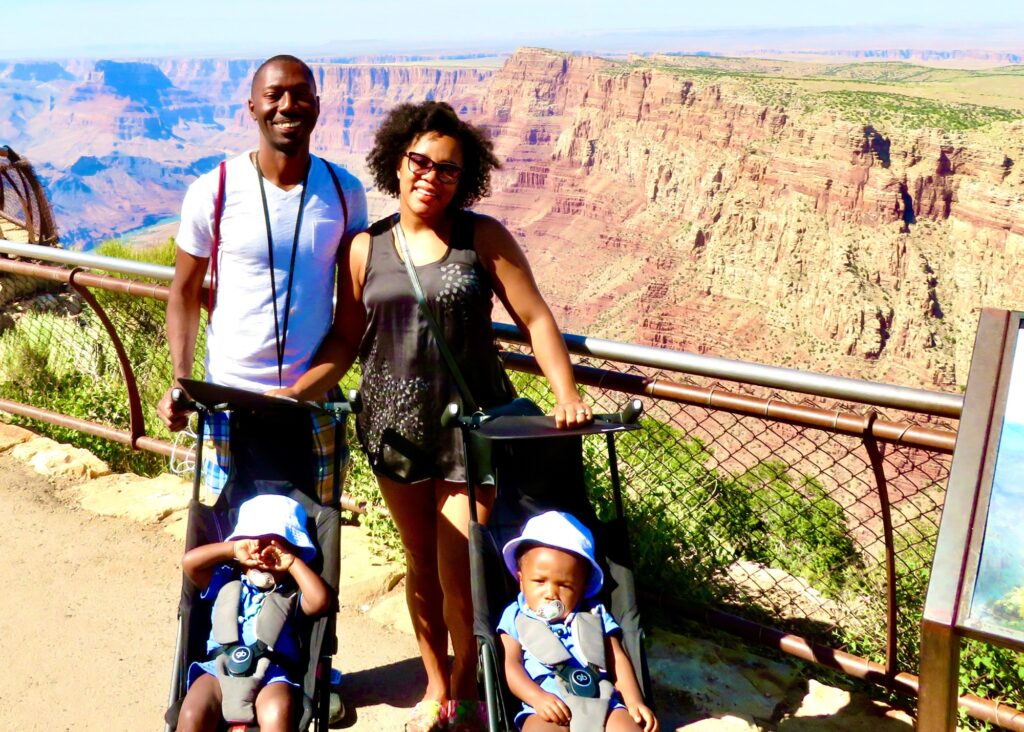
(275, 515)
(561, 531)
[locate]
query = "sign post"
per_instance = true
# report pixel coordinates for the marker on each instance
(976, 587)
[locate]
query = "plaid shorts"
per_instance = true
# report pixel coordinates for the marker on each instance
(217, 455)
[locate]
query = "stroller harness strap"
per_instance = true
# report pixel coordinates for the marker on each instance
(586, 694)
(241, 668)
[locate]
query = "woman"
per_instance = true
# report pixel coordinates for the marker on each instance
(437, 166)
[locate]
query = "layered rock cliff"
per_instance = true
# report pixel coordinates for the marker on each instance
(679, 210)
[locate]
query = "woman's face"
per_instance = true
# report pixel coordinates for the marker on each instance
(420, 183)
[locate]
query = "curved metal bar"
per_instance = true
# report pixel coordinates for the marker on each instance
(135, 419)
(892, 610)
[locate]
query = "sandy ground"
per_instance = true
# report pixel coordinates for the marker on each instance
(87, 623)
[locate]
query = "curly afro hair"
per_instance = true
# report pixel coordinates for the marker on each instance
(406, 123)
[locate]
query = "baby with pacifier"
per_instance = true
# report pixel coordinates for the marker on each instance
(563, 651)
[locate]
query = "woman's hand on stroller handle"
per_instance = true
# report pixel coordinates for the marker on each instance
(573, 412)
(453, 416)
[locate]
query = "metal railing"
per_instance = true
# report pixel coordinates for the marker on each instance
(798, 510)
(24, 209)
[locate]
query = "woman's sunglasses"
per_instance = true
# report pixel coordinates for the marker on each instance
(421, 165)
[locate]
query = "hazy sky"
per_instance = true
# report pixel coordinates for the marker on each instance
(62, 28)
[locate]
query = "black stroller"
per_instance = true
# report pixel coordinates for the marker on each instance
(538, 468)
(266, 433)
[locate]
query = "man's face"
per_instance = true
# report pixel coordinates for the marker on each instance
(285, 106)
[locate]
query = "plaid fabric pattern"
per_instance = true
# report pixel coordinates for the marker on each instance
(217, 453)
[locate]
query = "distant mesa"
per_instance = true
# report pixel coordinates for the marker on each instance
(42, 71)
(137, 81)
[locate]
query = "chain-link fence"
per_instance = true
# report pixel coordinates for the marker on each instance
(772, 521)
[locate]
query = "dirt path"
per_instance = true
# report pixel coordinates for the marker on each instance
(88, 622)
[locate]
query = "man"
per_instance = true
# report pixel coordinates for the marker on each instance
(283, 219)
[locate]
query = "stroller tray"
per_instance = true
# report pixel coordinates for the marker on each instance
(214, 395)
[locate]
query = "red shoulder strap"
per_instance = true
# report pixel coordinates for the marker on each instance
(218, 213)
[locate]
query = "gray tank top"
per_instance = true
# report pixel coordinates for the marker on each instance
(406, 383)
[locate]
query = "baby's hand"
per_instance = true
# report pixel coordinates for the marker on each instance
(643, 716)
(247, 552)
(552, 709)
(276, 558)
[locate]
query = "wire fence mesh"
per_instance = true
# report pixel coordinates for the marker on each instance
(776, 523)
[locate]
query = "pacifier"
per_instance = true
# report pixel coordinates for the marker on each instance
(551, 610)
(260, 580)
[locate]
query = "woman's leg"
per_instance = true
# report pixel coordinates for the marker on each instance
(275, 707)
(453, 568)
(413, 510)
(200, 711)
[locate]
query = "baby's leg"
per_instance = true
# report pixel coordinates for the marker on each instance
(620, 721)
(200, 711)
(275, 707)
(534, 723)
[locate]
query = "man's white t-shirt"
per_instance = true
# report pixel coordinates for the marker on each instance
(241, 340)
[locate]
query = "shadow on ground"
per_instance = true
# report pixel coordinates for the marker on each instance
(398, 684)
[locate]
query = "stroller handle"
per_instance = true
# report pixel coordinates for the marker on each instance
(452, 415)
(180, 399)
(353, 405)
(213, 398)
(629, 414)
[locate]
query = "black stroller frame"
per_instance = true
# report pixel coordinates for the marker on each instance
(266, 433)
(537, 468)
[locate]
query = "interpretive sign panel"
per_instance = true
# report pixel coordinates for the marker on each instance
(996, 602)
(976, 586)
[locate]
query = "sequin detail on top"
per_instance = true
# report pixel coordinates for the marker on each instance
(394, 402)
(459, 283)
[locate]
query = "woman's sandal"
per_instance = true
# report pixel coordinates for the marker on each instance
(427, 716)
(466, 715)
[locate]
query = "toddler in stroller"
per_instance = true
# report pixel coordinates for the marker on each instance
(260, 578)
(563, 656)
(273, 462)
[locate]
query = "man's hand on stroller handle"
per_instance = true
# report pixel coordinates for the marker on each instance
(174, 408)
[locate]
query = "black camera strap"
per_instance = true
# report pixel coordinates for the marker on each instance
(467, 398)
(281, 329)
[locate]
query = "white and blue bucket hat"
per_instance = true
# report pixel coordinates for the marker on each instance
(274, 515)
(560, 531)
